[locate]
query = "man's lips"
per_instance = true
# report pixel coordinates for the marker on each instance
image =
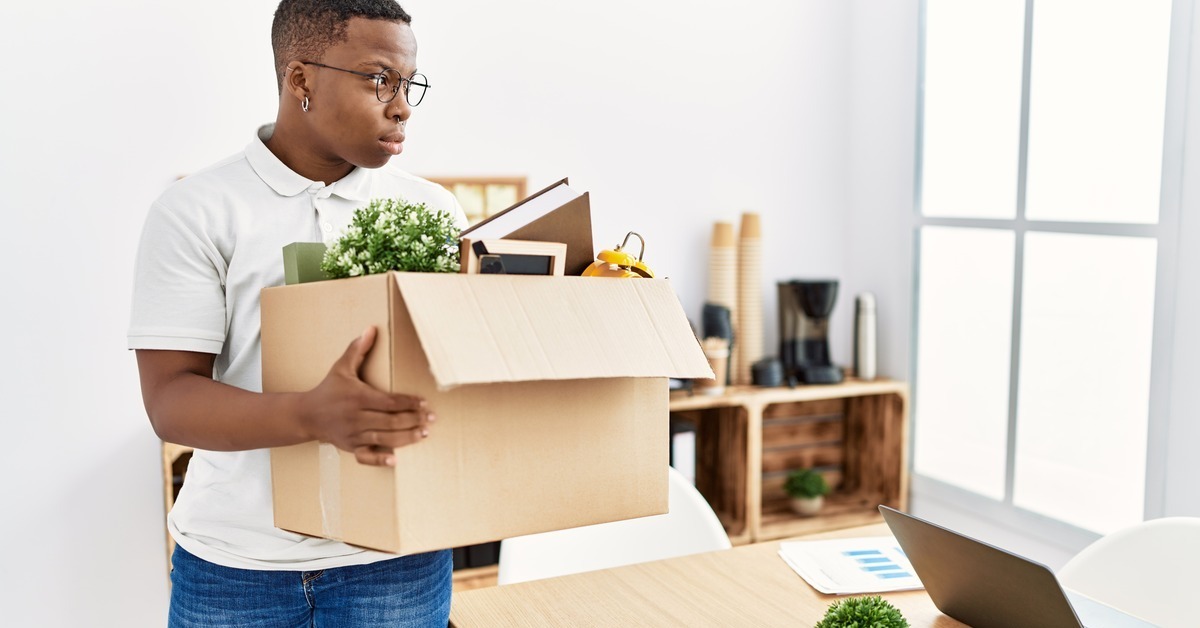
(393, 143)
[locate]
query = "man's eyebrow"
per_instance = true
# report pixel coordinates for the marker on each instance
(367, 65)
(379, 64)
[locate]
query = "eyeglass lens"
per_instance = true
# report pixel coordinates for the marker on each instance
(414, 87)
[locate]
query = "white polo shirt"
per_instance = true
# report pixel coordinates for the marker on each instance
(211, 242)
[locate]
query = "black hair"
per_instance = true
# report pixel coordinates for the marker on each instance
(306, 28)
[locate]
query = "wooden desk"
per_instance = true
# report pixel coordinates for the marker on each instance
(743, 586)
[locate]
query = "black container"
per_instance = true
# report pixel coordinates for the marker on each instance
(460, 558)
(483, 554)
(767, 372)
(717, 322)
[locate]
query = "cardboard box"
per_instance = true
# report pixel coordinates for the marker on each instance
(550, 392)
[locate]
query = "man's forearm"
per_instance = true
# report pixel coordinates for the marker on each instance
(200, 412)
(186, 406)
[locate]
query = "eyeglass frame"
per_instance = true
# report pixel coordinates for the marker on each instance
(406, 83)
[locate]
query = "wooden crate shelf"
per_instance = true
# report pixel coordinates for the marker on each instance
(475, 578)
(175, 460)
(748, 439)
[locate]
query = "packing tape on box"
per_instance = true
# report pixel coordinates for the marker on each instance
(329, 463)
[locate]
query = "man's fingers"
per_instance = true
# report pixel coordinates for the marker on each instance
(391, 421)
(392, 438)
(379, 447)
(378, 401)
(356, 353)
(375, 457)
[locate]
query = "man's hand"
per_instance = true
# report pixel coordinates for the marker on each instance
(346, 411)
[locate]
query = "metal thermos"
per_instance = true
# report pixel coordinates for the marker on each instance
(864, 336)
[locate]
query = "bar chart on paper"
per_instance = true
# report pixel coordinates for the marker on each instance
(841, 566)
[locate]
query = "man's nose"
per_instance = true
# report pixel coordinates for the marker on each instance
(399, 109)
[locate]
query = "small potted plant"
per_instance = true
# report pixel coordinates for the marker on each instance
(394, 234)
(808, 489)
(858, 612)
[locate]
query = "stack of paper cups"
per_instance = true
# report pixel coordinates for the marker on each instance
(722, 270)
(722, 267)
(748, 317)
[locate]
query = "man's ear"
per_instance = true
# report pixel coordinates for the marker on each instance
(295, 80)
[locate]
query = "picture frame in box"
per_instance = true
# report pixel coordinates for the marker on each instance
(512, 257)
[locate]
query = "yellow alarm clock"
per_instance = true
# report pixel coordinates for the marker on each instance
(618, 263)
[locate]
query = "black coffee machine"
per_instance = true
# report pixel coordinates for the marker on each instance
(804, 309)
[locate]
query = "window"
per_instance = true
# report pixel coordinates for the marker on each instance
(1041, 160)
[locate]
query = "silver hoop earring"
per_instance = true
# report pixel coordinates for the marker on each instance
(304, 105)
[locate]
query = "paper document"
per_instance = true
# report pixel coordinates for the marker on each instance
(841, 566)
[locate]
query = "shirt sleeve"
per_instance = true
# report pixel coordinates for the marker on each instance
(179, 285)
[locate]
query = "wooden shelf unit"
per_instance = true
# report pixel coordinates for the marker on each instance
(748, 439)
(175, 459)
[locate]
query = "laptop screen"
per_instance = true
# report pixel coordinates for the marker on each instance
(979, 584)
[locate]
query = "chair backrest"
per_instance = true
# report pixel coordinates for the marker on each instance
(1147, 570)
(690, 527)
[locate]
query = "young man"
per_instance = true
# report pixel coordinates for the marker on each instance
(347, 83)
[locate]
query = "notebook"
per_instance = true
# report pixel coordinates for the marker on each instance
(983, 586)
(555, 214)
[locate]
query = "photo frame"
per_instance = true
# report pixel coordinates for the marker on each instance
(513, 257)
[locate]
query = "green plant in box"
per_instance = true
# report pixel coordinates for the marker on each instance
(394, 234)
(807, 488)
(862, 612)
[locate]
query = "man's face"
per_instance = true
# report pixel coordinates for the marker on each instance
(348, 121)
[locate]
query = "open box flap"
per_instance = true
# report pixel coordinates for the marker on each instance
(477, 329)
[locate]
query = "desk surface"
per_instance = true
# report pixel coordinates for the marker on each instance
(744, 586)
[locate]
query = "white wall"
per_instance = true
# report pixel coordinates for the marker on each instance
(880, 174)
(104, 104)
(673, 114)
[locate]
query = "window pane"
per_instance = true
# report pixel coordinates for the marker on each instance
(972, 110)
(1086, 325)
(964, 343)
(1098, 89)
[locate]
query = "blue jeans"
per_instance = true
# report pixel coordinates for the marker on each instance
(407, 591)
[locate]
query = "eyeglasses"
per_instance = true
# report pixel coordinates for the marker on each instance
(389, 82)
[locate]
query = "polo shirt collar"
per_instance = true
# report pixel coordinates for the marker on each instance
(355, 186)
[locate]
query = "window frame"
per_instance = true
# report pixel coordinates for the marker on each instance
(1165, 232)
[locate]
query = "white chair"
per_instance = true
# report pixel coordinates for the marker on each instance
(1148, 570)
(690, 527)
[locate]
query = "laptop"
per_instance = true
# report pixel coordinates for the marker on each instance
(982, 585)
